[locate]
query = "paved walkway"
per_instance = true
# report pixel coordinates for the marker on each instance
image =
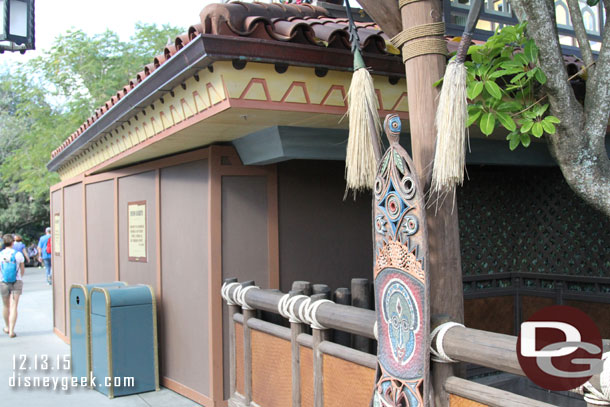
(35, 338)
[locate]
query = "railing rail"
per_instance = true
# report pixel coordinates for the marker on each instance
(488, 349)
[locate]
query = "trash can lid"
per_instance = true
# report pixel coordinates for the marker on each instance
(119, 296)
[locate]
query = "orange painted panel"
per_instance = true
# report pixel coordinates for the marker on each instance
(271, 370)
(457, 401)
(347, 383)
(239, 358)
(306, 355)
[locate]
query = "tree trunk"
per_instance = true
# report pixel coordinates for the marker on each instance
(578, 146)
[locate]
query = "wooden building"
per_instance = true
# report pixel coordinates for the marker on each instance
(224, 158)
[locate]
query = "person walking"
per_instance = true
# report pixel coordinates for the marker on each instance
(19, 246)
(11, 286)
(44, 255)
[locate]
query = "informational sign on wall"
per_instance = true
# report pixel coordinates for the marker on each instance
(136, 230)
(57, 234)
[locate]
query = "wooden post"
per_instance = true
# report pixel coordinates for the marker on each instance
(342, 296)
(446, 293)
(304, 286)
(361, 298)
(296, 328)
(248, 313)
(321, 289)
(233, 309)
(319, 336)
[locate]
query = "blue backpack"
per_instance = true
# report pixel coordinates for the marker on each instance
(9, 269)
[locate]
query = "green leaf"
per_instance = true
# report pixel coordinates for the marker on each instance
(493, 89)
(540, 76)
(514, 141)
(487, 123)
(540, 109)
(517, 78)
(525, 139)
(530, 50)
(521, 59)
(510, 107)
(506, 121)
(474, 89)
(548, 127)
(526, 125)
(435, 84)
(551, 119)
(472, 117)
(537, 129)
(592, 3)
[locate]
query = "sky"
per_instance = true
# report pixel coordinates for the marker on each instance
(54, 17)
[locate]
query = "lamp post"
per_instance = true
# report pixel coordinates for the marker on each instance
(16, 25)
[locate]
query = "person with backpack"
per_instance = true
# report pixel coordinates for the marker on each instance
(11, 286)
(44, 252)
(20, 247)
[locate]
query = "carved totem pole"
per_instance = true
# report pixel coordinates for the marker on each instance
(401, 278)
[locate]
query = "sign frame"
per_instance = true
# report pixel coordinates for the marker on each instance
(137, 259)
(56, 234)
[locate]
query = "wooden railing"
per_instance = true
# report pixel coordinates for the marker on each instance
(273, 365)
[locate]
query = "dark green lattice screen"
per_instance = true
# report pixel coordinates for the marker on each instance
(527, 219)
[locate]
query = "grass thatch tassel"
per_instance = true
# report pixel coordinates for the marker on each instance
(451, 116)
(360, 160)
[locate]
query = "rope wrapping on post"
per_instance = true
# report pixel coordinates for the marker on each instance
(239, 296)
(286, 307)
(419, 31)
(225, 292)
(597, 397)
(425, 46)
(402, 3)
(436, 338)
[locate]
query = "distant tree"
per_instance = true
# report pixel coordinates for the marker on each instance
(46, 99)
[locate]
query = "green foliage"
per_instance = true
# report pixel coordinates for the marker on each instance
(503, 83)
(46, 99)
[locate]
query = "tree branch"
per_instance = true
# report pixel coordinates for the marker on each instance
(580, 31)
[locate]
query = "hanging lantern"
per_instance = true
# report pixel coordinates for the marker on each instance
(16, 25)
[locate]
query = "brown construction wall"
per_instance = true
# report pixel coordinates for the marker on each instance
(101, 245)
(134, 188)
(184, 338)
(59, 296)
(74, 251)
(244, 240)
(323, 238)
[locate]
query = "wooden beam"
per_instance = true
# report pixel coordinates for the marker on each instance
(446, 297)
(385, 13)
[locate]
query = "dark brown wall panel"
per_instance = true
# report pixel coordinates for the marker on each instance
(140, 187)
(598, 313)
(530, 304)
(59, 299)
(346, 383)
(245, 250)
(74, 248)
(184, 275)
(271, 370)
(494, 314)
(323, 238)
(101, 246)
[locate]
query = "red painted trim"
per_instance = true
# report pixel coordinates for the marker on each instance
(187, 392)
(252, 82)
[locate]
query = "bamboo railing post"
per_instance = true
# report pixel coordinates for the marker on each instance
(248, 313)
(233, 309)
(361, 298)
(319, 336)
(446, 292)
(304, 286)
(296, 328)
(342, 296)
(321, 289)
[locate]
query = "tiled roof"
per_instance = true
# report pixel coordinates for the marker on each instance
(299, 24)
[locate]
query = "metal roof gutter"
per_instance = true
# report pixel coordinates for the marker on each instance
(200, 53)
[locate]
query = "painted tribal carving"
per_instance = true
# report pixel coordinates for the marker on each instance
(401, 281)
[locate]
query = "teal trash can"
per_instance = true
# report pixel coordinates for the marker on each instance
(80, 327)
(124, 340)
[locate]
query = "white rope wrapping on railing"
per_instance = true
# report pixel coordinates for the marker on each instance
(307, 313)
(436, 338)
(225, 292)
(239, 296)
(597, 397)
(286, 307)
